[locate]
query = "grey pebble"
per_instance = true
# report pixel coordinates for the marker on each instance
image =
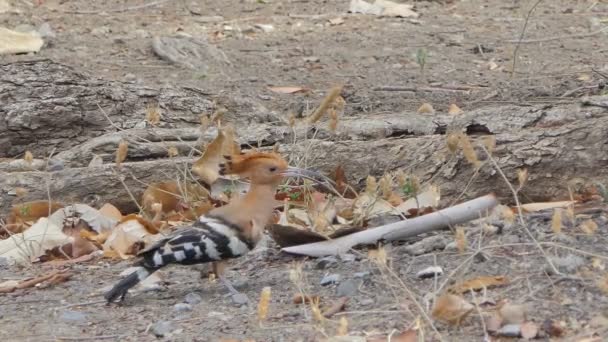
(348, 257)
(70, 316)
(326, 262)
(240, 299)
(568, 264)
(182, 307)
(161, 328)
(45, 31)
(330, 279)
(510, 330)
(365, 274)
(193, 298)
(367, 302)
(347, 288)
(430, 272)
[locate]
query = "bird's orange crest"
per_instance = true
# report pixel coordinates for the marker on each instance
(263, 167)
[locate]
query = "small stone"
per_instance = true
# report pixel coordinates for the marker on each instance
(265, 27)
(430, 272)
(100, 31)
(56, 165)
(25, 28)
(365, 274)
(367, 302)
(330, 279)
(70, 316)
(347, 288)
(567, 264)
(510, 239)
(240, 299)
(193, 298)
(326, 262)
(509, 330)
(427, 245)
(161, 328)
(45, 31)
(182, 307)
(347, 257)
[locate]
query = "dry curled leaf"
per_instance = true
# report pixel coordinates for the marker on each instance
(121, 152)
(461, 240)
(299, 298)
(451, 309)
(326, 104)
(288, 90)
(589, 227)
(426, 108)
(454, 109)
(263, 304)
(28, 157)
(208, 165)
(479, 283)
(556, 221)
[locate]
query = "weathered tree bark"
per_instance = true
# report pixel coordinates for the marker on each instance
(45, 106)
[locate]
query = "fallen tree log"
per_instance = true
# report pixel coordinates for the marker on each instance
(47, 106)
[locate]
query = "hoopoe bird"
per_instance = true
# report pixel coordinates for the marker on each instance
(225, 232)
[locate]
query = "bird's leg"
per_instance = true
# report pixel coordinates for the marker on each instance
(237, 297)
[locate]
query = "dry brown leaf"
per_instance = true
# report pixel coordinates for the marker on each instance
(172, 152)
(556, 221)
(299, 298)
(207, 167)
(121, 152)
(336, 21)
(589, 227)
(28, 157)
(342, 327)
(153, 114)
(129, 237)
(426, 108)
(553, 328)
(493, 323)
(480, 283)
(20, 192)
(20, 214)
(454, 109)
(538, 206)
(288, 90)
(513, 313)
(111, 211)
(529, 330)
(461, 240)
(335, 307)
(327, 102)
(451, 309)
(263, 304)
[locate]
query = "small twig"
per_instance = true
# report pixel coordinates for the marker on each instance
(521, 37)
(455, 89)
(89, 338)
(116, 10)
(519, 210)
(82, 304)
(548, 39)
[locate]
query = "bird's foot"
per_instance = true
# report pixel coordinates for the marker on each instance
(238, 298)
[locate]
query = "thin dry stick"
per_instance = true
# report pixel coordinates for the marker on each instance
(141, 210)
(48, 195)
(519, 211)
(521, 37)
(116, 10)
(548, 39)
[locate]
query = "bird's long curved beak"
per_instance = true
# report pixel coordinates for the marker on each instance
(308, 174)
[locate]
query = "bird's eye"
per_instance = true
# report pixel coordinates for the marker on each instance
(273, 169)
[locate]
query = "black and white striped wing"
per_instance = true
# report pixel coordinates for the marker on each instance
(209, 239)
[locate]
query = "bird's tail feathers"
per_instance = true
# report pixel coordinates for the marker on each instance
(121, 288)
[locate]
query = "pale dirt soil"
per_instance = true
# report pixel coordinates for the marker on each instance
(364, 52)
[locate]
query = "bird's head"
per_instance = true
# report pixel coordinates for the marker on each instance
(263, 168)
